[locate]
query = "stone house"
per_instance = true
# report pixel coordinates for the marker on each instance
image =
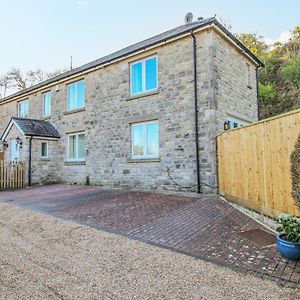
(146, 116)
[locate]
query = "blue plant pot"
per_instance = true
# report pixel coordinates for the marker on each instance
(287, 249)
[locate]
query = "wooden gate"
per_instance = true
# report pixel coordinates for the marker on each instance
(254, 164)
(12, 176)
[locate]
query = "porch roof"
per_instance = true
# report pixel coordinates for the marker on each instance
(33, 128)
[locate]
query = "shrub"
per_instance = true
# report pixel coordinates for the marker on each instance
(295, 172)
(267, 93)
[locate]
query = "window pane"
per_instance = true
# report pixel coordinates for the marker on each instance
(152, 139)
(151, 74)
(23, 109)
(44, 150)
(136, 78)
(81, 146)
(72, 145)
(20, 112)
(47, 104)
(138, 140)
(26, 108)
(71, 96)
(80, 94)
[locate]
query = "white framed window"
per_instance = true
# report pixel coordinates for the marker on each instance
(144, 76)
(235, 122)
(145, 140)
(23, 109)
(76, 146)
(44, 150)
(76, 95)
(47, 104)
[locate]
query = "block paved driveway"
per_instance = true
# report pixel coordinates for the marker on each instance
(203, 226)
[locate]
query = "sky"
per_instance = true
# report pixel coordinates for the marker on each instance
(46, 33)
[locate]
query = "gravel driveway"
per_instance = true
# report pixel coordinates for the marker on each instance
(42, 257)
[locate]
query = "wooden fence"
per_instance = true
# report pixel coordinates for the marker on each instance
(254, 164)
(12, 175)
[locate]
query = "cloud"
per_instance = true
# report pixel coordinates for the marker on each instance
(283, 38)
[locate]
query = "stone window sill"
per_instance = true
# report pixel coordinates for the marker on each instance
(46, 118)
(44, 158)
(74, 111)
(143, 160)
(75, 163)
(143, 95)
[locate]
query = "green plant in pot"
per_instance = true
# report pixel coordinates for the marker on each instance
(288, 239)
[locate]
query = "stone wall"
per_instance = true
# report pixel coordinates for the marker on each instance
(227, 87)
(43, 170)
(110, 111)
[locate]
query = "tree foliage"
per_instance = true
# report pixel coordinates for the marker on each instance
(279, 81)
(291, 72)
(255, 43)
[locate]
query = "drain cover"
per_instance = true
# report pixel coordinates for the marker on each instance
(259, 237)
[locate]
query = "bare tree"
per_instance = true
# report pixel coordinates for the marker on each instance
(17, 79)
(56, 73)
(34, 77)
(4, 85)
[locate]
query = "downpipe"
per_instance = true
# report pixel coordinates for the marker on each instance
(196, 111)
(30, 161)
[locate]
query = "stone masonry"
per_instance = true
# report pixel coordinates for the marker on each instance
(224, 89)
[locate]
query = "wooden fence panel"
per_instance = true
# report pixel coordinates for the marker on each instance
(254, 164)
(12, 176)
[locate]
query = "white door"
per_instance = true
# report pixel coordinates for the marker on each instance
(14, 151)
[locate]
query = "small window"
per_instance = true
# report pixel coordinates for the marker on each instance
(44, 150)
(145, 142)
(47, 104)
(143, 76)
(76, 97)
(76, 147)
(234, 123)
(23, 109)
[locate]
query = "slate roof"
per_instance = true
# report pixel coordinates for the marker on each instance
(177, 31)
(36, 128)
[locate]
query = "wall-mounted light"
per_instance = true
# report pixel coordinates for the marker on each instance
(19, 142)
(226, 125)
(4, 145)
